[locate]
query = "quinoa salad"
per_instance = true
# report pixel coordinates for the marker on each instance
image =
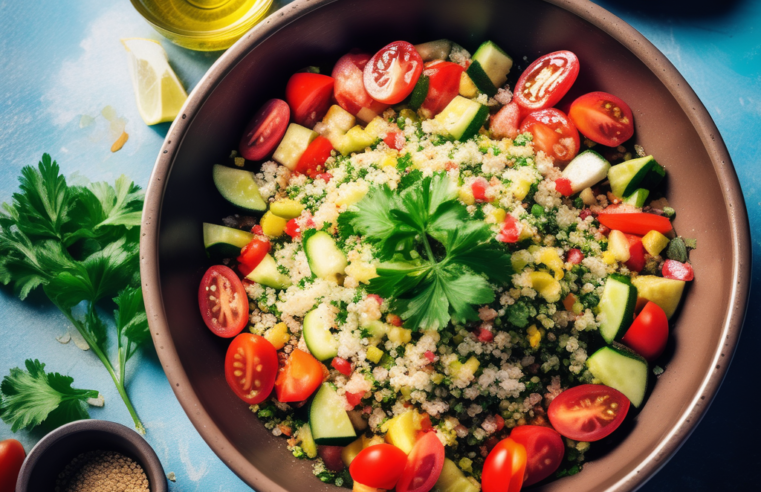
(435, 280)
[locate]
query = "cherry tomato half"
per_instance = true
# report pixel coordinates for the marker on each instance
(505, 123)
(424, 465)
(378, 466)
(265, 130)
(392, 72)
(677, 270)
(11, 458)
(553, 133)
(251, 367)
(223, 301)
(544, 451)
(341, 365)
(638, 223)
(504, 468)
(252, 254)
(547, 80)
(349, 89)
(588, 412)
(308, 95)
(636, 261)
(443, 86)
(312, 161)
(603, 118)
(300, 377)
(649, 332)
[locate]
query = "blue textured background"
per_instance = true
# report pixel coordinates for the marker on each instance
(63, 59)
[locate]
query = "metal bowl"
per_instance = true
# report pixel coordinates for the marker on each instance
(671, 124)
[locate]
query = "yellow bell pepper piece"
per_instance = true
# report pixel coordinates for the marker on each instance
(374, 354)
(546, 285)
(361, 271)
(401, 431)
(388, 160)
(550, 257)
(272, 225)
(534, 336)
(608, 258)
(654, 242)
(351, 193)
(520, 188)
(399, 335)
(278, 335)
(465, 194)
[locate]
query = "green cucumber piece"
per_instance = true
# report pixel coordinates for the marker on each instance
(224, 242)
(463, 118)
(295, 141)
(307, 441)
(638, 197)
(626, 177)
(654, 176)
(238, 187)
(320, 341)
(266, 273)
(325, 259)
(452, 479)
(482, 80)
(619, 297)
(621, 369)
(328, 420)
(419, 92)
(494, 62)
(586, 170)
(434, 50)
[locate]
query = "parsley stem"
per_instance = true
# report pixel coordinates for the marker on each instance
(428, 250)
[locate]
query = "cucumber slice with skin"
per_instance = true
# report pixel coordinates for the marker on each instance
(266, 273)
(643, 172)
(494, 62)
(434, 50)
(307, 441)
(295, 141)
(239, 188)
(463, 118)
(328, 420)
(452, 479)
(617, 303)
(224, 242)
(325, 259)
(419, 92)
(481, 79)
(586, 170)
(320, 341)
(621, 369)
(637, 198)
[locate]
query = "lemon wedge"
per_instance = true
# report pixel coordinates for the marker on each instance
(158, 91)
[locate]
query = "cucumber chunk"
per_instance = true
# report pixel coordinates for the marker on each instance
(325, 259)
(481, 79)
(295, 141)
(419, 92)
(586, 170)
(434, 50)
(621, 369)
(224, 242)
(307, 441)
(643, 172)
(494, 62)
(320, 341)
(238, 187)
(637, 198)
(266, 273)
(452, 479)
(463, 118)
(617, 307)
(328, 420)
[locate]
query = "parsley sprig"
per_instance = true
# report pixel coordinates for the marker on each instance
(437, 261)
(81, 244)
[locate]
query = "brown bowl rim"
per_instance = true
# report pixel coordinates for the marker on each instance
(618, 29)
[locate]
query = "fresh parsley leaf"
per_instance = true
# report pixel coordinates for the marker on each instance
(428, 308)
(464, 289)
(33, 397)
(474, 246)
(396, 277)
(131, 320)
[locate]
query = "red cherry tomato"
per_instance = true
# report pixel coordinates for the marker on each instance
(392, 72)
(443, 86)
(11, 458)
(479, 187)
(553, 133)
(563, 186)
(505, 123)
(547, 80)
(500, 422)
(575, 256)
(312, 161)
(265, 130)
(308, 95)
(353, 398)
(678, 271)
(588, 412)
(293, 227)
(544, 451)
(395, 140)
(300, 377)
(424, 465)
(341, 365)
(331, 455)
(636, 260)
(649, 332)
(510, 231)
(378, 466)
(252, 254)
(603, 118)
(639, 223)
(484, 335)
(395, 320)
(251, 367)
(504, 468)
(349, 89)
(223, 301)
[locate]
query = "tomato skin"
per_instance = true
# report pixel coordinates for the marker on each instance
(636, 261)
(394, 319)
(638, 223)
(300, 377)
(312, 161)
(308, 95)
(251, 359)
(544, 451)
(353, 398)
(265, 130)
(349, 88)
(563, 186)
(556, 72)
(252, 254)
(554, 134)
(678, 271)
(395, 140)
(293, 228)
(603, 118)
(504, 468)
(443, 86)
(378, 466)
(582, 413)
(575, 256)
(510, 231)
(392, 72)
(341, 365)
(479, 187)
(505, 123)
(221, 287)
(649, 332)
(424, 465)
(12, 456)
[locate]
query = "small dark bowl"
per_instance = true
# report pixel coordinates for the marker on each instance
(56, 450)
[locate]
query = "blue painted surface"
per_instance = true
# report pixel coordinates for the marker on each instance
(63, 59)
